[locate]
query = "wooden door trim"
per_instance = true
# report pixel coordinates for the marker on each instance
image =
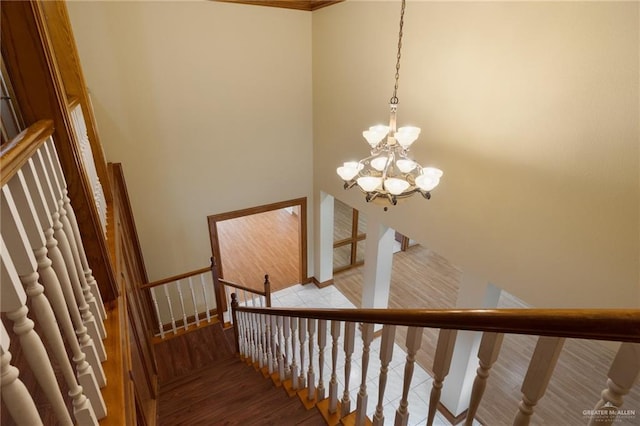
(212, 221)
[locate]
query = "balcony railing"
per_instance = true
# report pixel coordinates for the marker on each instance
(288, 344)
(44, 269)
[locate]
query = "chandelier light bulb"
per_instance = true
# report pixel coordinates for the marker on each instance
(406, 165)
(407, 135)
(349, 170)
(429, 179)
(379, 163)
(369, 183)
(375, 134)
(396, 186)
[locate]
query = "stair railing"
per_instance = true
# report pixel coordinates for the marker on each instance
(249, 296)
(183, 301)
(44, 269)
(257, 341)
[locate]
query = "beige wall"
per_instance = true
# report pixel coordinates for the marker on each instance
(204, 103)
(530, 108)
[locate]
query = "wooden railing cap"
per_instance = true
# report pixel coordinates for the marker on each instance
(599, 324)
(17, 152)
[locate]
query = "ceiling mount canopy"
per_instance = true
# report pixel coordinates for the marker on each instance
(389, 174)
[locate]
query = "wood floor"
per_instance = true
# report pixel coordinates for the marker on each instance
(259, 244)
(214, 387)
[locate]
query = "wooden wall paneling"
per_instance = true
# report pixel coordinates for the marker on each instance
(143, 369)
(68, 61)
(116, 177)
(139, 323)
(40, 93)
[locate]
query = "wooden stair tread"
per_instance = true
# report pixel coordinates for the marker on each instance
(230, 393)
(200, 348)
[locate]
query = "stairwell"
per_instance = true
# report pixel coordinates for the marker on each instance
(202, 381)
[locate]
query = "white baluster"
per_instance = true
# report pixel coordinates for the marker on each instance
(294, 367)
(241, 336)
(286, 331)
(487, 356)
(69, 274)
(250, 333)
(246, 336)
(255, 346)
(281, 349)
(441, 365)
(260, 301)
(173, 319)
(623, 374)
(253, 301)
(258, 339)
(311, 376)
(13, 303)
(349, 341)
(206, 299)
(78, 276)
(157, 308)
(244, 298)
(88, 273)
(195, 305)
(263, 342)
(302, 333)
(25, 262)
(269, 346)
(386, 354)
(538, 375)
(14, 393)
(89, 164)
(88, 368)
(322, 342)
(184, 312)
(333, 382)
(414, 340)
(273, 365)
(362, 398)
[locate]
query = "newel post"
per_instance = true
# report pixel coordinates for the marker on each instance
(267, 290)
(234, 306)
(221, 303)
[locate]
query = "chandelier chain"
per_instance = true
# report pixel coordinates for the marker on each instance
(394, 98)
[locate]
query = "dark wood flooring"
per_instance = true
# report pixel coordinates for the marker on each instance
(202, 382)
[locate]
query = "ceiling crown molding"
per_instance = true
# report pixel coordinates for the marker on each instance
(308, 5)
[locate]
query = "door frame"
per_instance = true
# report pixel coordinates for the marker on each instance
(213, 220)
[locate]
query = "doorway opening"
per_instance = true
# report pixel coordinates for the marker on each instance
(269, 239)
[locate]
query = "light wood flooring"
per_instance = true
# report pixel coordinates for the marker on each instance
(259, 244)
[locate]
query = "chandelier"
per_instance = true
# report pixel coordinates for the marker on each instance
(389, 174)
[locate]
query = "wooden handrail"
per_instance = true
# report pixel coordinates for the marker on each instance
(17, 152)
(241, 287)
(176, 277)
(622, 325)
